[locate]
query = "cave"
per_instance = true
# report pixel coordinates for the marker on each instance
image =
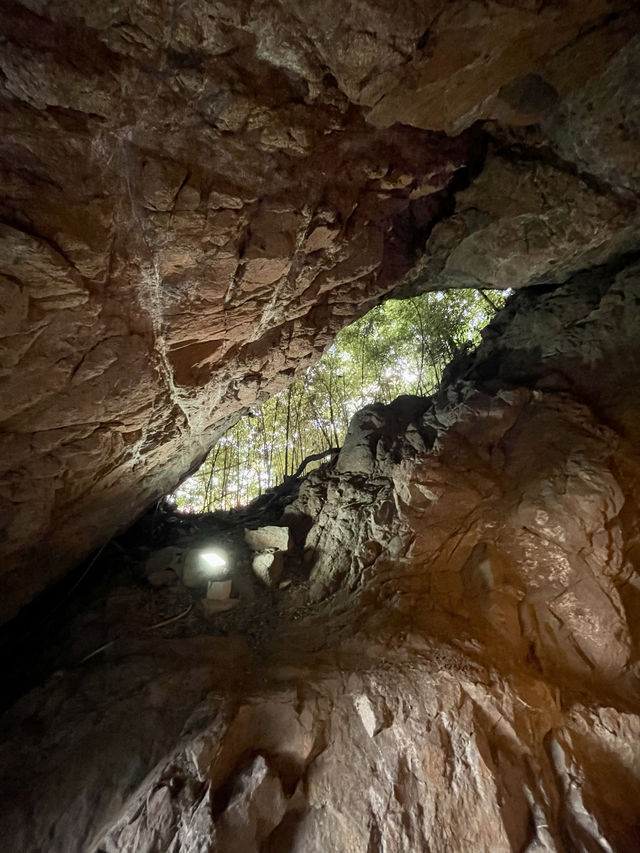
(196, 198)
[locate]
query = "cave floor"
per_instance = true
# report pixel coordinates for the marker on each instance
(108, 601)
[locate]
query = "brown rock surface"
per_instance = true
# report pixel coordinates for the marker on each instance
(461, 672)
(508, 499)
(195, 200)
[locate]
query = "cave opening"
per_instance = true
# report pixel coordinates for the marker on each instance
(399, 347)
(430, 641)
(193, 550)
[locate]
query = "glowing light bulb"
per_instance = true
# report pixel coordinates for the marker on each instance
(213, 559)
(213, 564)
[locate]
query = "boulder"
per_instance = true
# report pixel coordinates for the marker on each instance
(267, 565)
(268, 538)
(218, 590)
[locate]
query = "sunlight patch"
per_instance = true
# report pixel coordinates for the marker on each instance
(401, 347)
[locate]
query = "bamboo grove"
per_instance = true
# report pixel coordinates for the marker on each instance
(400, 347)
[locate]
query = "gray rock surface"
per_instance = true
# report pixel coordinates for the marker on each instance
(267, 565)
(268, 538)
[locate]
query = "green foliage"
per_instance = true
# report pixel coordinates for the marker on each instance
(400, 347)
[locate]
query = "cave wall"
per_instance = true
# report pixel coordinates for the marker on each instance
(195, 199)
(458, 673)
(510, 501)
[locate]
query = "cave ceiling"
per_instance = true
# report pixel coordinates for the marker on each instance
(196, 199)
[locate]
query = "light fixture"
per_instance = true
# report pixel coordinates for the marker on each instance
(202, 565)
(213, 563)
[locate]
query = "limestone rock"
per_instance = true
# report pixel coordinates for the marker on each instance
(268, 565)
(469, 66)
(268, 538)
(523, 223)
(373, 430)
(357, 453)
(516, 512)
(195, 198)
(596, 126)
(256, 807)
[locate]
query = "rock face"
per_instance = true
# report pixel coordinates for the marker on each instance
(509, 500)
(465, 675)
(195, 199)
